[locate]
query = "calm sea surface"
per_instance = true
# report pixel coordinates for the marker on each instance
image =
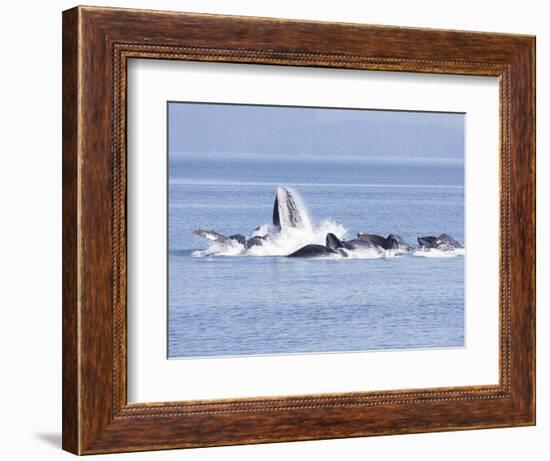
(245, 305)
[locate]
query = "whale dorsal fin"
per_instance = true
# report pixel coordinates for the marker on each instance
(333, 242)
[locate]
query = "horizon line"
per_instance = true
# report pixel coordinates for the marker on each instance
(316, 156)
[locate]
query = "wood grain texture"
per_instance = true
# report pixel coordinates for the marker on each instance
(70, 384)
(97, 43)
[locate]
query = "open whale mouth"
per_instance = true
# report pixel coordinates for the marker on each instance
(289, 212)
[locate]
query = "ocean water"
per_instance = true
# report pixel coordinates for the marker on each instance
(224, 303)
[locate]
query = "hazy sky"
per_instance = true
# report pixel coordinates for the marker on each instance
(245, 129)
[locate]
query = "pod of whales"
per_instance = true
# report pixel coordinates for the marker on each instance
(290, 215)
(334, 246)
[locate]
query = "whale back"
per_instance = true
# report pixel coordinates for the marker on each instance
(373, 238)
(312, 251)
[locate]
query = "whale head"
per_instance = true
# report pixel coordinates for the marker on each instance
(289, 211)
(333, 242)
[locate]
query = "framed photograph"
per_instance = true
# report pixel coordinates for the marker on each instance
(281, 230)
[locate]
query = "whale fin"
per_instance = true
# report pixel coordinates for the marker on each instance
(333, 242)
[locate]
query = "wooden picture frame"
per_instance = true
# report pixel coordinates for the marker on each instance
(97, 43)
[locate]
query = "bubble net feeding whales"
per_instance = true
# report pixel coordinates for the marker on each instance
(292, 234)
(291, 228)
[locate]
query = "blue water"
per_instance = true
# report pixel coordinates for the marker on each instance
(245, 305)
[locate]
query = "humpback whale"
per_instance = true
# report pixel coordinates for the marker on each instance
(232, 239)
(288, 213)
(335, 243)
(444, 242)
(391, 242)
(334, 246)
(312, 251)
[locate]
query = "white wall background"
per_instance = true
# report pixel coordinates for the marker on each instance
(30, 230)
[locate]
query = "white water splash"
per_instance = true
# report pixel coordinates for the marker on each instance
(435, 253)
(368, 253)
(290, 239)
(229, 248)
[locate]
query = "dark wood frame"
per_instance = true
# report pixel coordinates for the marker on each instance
(97, 43)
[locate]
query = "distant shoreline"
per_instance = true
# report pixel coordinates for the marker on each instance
(317, 158)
